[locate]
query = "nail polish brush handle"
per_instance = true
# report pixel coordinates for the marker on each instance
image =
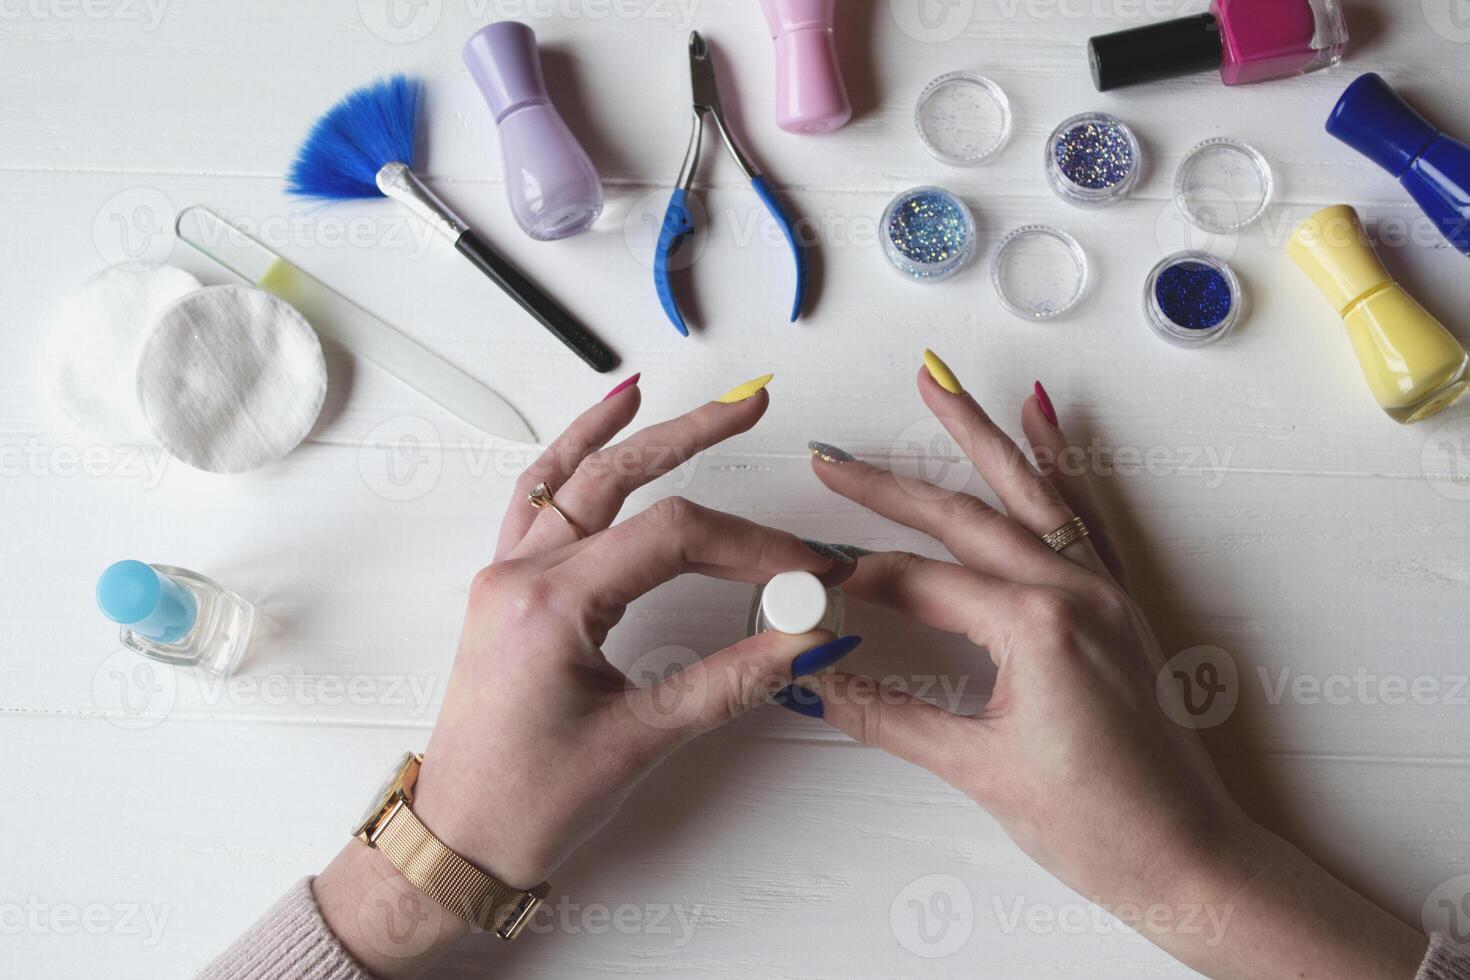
(338, 319)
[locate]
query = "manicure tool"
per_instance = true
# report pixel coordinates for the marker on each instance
(678, 222)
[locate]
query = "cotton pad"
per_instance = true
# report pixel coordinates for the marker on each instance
(94, 343)
(232, 378)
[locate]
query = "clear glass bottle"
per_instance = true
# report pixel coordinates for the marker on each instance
(176, 616)
(796, 603)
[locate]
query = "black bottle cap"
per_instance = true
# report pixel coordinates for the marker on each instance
(1144, 54)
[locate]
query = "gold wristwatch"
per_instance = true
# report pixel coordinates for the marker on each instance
(391, 826)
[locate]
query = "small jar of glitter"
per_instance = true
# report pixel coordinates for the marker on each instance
(1093, 160)
(1193, 299)
(928, 234)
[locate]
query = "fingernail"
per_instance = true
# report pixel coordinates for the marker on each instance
(1047, 408)
(829, 453)
(802, 700)
(831, 552)
(623, 387)
(852, 551)
(748, 390)
(941, 373)
(824, 657)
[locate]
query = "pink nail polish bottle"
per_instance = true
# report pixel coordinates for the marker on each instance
(811, 98)
(1247, 40)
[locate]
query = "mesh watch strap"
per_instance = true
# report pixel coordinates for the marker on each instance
(452, 881)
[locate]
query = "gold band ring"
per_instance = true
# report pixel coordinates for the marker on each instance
(540, 498)
(1066, 535)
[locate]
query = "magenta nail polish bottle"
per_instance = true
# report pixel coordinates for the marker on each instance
(553, 187)
(1247, 40)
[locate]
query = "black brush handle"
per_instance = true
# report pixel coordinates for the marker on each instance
(535, 302)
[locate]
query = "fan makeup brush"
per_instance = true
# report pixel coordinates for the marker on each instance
(364, 147)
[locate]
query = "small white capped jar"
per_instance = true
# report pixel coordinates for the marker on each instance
(795, 603)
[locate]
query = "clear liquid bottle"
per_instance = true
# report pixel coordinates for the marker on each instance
(176, 616)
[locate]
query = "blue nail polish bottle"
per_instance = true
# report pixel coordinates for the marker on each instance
(176, 616)
(1434, 168)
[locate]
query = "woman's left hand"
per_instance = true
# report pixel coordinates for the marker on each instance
(540, 738)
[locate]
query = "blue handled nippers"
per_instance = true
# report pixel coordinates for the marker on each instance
(678, 222)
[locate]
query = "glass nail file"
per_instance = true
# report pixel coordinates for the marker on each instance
(342, 321)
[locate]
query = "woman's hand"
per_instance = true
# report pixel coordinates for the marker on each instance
(1074, 755)
(540, 739)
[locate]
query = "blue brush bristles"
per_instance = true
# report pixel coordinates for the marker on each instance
(372, 126)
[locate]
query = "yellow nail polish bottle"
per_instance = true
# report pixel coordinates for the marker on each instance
(1414, 366)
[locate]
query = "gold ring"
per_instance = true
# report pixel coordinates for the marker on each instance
(1066, 535)
(540, 498)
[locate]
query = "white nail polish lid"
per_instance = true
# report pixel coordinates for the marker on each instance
(794, 602)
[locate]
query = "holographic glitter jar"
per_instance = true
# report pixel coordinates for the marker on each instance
(1192, 299)
(1093, 160)
(928, 234)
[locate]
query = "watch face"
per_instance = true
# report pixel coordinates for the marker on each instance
(380, 798)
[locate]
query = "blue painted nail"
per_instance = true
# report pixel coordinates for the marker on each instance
(818, 659)
(801, 701)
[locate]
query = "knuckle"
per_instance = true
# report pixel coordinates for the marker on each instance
(963, 508)
(527, 602)
(489, 581)
(674, 513)
(1111, 602)
(1050, 611)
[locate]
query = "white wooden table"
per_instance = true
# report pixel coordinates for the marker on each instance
(1277, 514)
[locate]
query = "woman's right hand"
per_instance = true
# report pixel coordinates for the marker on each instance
(1074, 754)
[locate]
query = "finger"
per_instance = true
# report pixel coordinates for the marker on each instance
(596, 492)
(588, 433)
(949, 745)
(1060, 461)
(974, 532)
(674, 537)
(727, 684)
(1029, 499)
(941, 594)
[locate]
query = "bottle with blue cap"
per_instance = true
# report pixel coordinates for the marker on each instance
(1433, 167)
(176, 616)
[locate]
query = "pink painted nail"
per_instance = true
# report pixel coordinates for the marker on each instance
(623, 387)
(1047, 409)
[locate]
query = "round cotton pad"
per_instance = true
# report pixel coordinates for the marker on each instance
(94, 343)
(232, 378)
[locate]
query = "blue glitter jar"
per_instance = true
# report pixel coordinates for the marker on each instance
(1193, 299)
(928, 234)
(1093, 160)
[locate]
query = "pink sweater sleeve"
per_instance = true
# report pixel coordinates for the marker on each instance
(1446, 960)
(290, 942)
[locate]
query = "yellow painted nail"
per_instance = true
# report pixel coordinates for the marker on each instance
(941, 373)
(748, 390)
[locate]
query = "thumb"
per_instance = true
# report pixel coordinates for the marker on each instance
(898, 723)
(732, 681)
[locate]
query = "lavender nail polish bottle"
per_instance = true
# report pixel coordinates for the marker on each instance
(553, 187)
